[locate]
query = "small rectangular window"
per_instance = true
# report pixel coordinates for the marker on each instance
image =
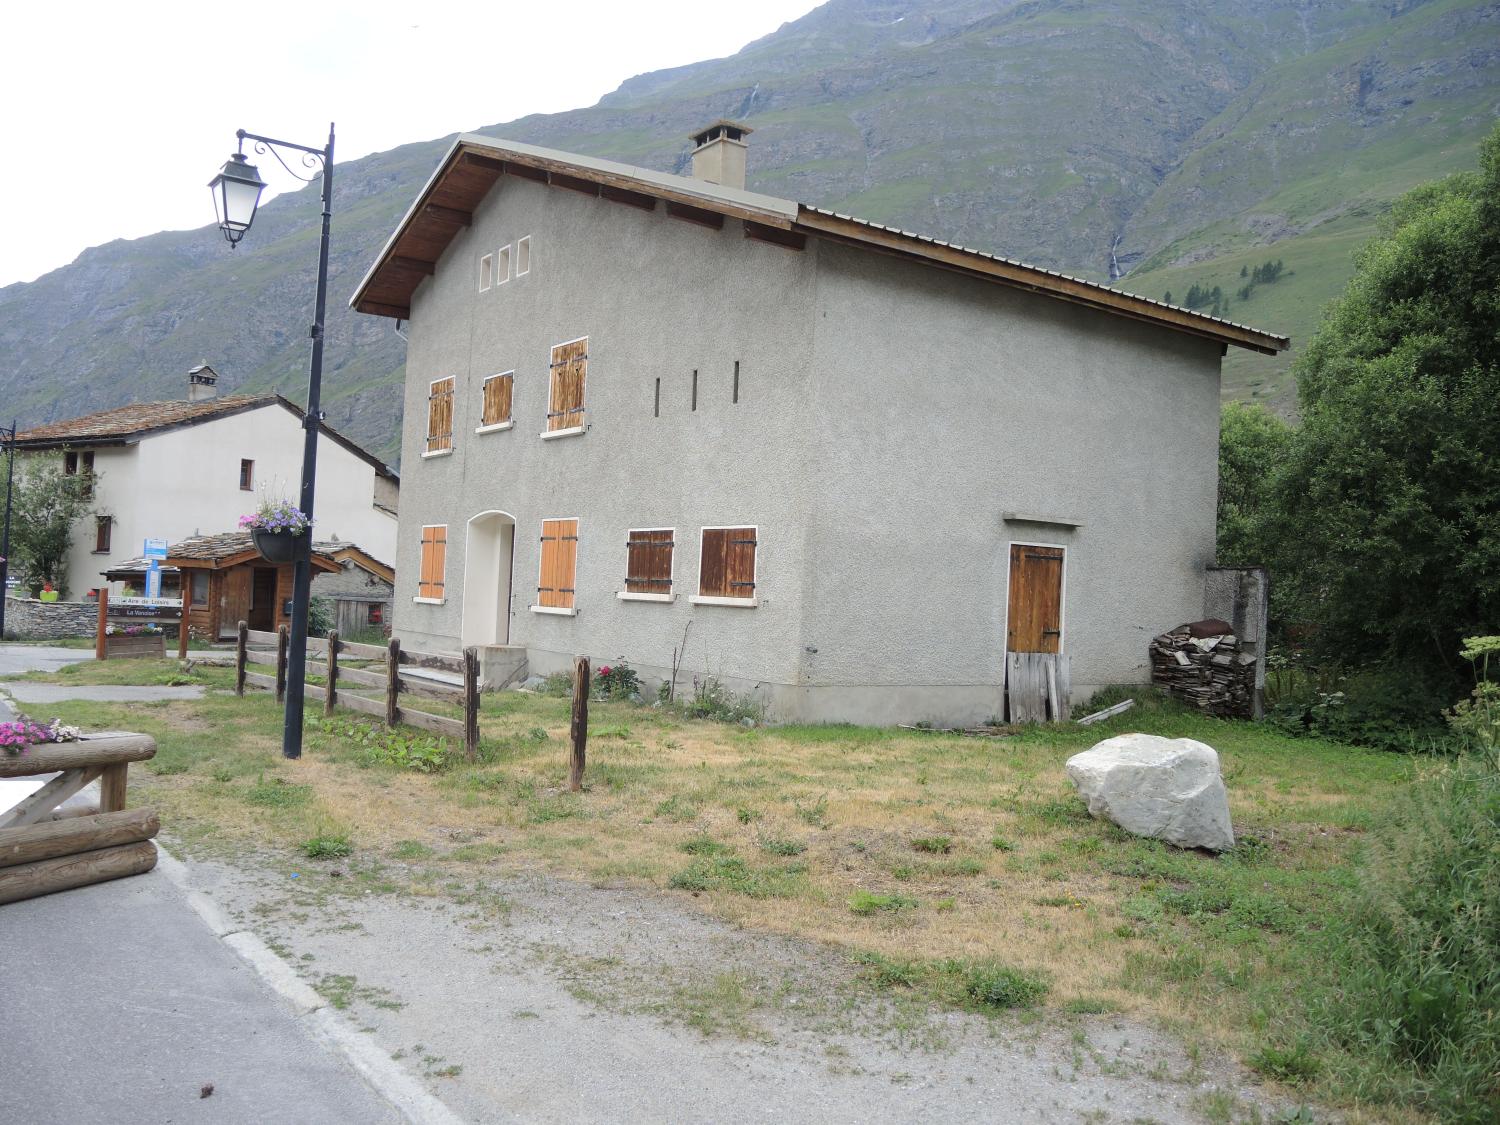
(434, 561)
(70, 463)
(554, 589)
(86, 470)
(523, 256)
(374, 613)
(497, 392)
(103, 528)
(247, 475)
(570, 369)
(726, 563)
(486, 272)
(648, 561)
(502, 267)
(199, 587)
(440, 416)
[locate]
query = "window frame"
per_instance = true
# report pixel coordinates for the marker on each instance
(247, 474)
(510, 419)
(502, 259)
(523, 255)
(444, 451)
(570, 610)
(629, 595)
(442, 581)
(104, 529)
(700, 598)
(581, 410)
(486, 272)
(192, 587)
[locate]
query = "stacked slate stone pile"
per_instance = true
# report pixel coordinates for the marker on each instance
(1203, 665)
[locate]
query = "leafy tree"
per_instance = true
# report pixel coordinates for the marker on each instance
(1252, 442)
(1385, 517)
(45, 505)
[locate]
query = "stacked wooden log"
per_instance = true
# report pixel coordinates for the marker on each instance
(1203, 665)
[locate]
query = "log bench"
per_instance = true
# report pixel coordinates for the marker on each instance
(44, 848)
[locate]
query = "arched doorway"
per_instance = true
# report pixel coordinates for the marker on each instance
(487, 564)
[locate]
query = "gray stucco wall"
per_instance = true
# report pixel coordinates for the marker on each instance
(941, 402)
(889, 413)
(658, 297)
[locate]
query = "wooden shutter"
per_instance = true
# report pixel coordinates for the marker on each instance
(727, 563)
(440, 416)
(102, 527)
(559, 564)
(497, 389)
(434, 560)
(1034, 616)
(570, 368)
(648, 562)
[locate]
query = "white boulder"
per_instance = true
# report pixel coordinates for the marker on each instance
(1166, 788)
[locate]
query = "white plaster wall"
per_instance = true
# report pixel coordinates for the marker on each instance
(186, 482)
(657, 297)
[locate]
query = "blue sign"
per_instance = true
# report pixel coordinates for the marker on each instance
(153, 580)
(155, 549)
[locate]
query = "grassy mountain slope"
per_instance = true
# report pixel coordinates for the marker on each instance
(1169, 141)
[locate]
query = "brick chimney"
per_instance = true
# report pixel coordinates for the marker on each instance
(203, 383)
(719, 153)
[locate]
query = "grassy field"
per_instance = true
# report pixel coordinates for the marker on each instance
(946, 865)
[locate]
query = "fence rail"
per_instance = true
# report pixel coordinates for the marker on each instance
(402, 675)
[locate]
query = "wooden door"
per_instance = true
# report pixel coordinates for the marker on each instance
(1034, 617)
(234, 600)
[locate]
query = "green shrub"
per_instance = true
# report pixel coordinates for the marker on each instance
(616, 681)
(1416, 955)
(934, 845)
(776, 846)
(384, 746)
(327, 845)
(865, 903)
(712, 700)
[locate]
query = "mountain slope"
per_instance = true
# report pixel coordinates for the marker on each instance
(1174, 140)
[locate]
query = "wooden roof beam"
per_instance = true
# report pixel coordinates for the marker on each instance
(375, 308)
(417, 264)
(697, 215)
(629, 198)
(573, 183)
(792, 240)
(448, 214)
(488, 163)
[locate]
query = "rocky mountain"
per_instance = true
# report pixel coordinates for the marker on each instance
(1166, 144)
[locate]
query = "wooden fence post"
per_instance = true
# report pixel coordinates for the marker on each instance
(580, 727)
(182, 633)
(239, 658)
(330, 701)
(392, 682)
(281, 645)
(471, 703)
(100, 653)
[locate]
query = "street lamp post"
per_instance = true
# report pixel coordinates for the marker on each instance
(236, 191)
(10, 480)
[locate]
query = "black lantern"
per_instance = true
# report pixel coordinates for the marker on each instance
(236, 190)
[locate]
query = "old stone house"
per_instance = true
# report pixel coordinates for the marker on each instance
(847, 466)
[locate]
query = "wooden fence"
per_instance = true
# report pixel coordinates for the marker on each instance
(402, 674)
(44, 848)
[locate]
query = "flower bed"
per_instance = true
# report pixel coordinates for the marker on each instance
(18, 735)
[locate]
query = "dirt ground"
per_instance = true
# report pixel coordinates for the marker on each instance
(526, 997)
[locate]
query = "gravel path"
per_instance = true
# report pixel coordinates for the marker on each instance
(529, 998)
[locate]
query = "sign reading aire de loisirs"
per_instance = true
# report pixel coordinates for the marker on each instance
(156, 550)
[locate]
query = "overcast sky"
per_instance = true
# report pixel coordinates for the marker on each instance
(115, 116)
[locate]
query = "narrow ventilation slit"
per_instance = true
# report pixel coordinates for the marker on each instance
(695, 388)
(735, 397)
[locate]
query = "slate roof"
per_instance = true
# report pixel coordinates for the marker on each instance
(126, 424)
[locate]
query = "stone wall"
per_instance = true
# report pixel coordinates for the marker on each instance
(37, 620)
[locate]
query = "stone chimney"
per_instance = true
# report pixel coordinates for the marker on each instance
(203, 383)
(719, 154)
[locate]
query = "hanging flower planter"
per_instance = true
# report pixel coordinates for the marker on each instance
(275, 529)
(275, 546)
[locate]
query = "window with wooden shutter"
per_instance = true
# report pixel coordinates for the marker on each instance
(648, 561)
(103, 529)
(726, 563)
(554, 588)
(440, 416)
(497, 390)
(247, 475)
(433, 562)
(570, 368)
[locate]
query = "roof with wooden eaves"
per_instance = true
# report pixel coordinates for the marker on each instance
(476, 162)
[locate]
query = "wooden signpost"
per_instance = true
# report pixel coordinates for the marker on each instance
(138, 611)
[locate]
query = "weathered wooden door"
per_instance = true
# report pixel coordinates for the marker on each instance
(1034, 616)
(234, 600)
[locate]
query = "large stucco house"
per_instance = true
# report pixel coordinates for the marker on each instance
(190, 467)
(850, 466)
